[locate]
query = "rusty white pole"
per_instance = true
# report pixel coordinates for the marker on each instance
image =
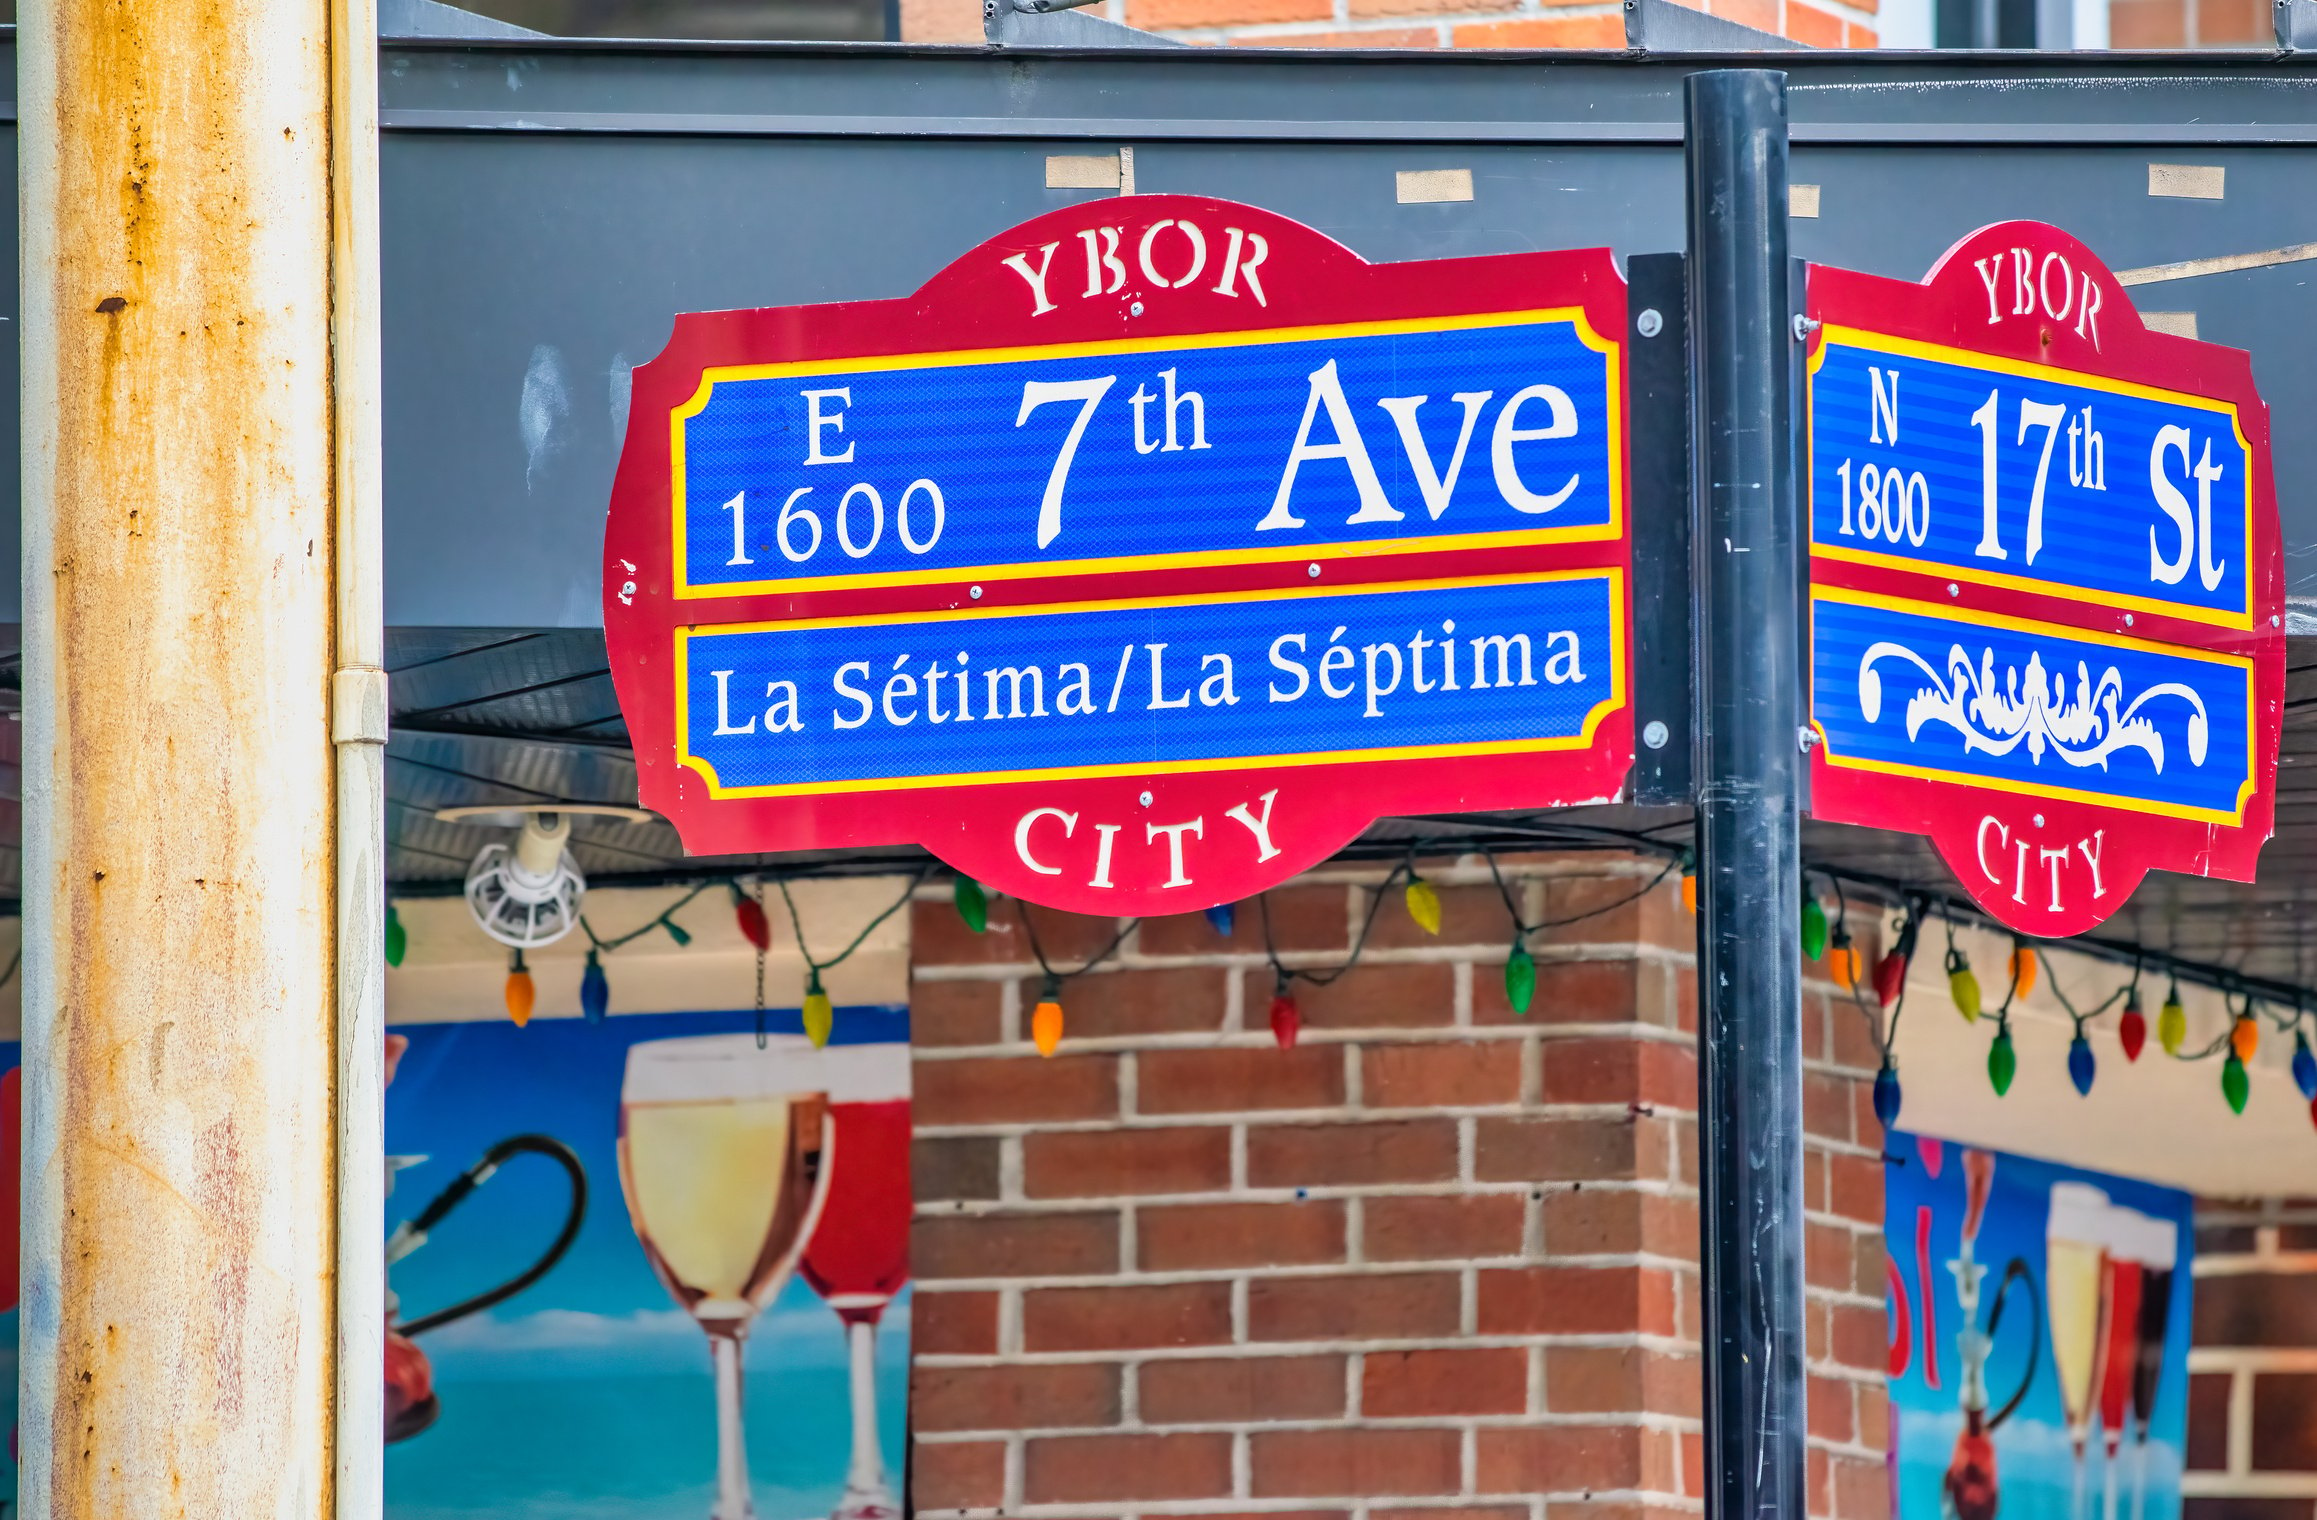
(176, 172)
(358, 728)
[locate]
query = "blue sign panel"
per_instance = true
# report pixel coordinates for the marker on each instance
(2002, 473)
(1240, 447)
(1490, 666)
(1907, 689)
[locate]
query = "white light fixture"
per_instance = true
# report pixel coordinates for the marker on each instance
(527, 894)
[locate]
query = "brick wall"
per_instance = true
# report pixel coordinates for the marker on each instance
(2252, 1386)
(2190, 24)
(1428, 23)
(1435, 1258)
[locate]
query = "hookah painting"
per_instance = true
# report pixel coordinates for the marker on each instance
(2084, 1328)
(674, 1279)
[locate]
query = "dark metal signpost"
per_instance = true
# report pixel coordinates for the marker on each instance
(1749, 765)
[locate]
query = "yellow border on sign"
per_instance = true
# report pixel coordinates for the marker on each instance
(1354, 549)
(1938, 613)
(1614, 575)
(1883, 343)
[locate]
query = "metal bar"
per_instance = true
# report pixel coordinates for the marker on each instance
(1476, 133)
(176, 175)
(1748, 760)
(358, 735)
(1657, 392)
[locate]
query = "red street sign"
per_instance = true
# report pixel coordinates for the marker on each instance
(2046, 592)
(1135, 563)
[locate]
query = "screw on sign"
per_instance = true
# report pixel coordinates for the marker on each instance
(1136, 562)
(2046, 590)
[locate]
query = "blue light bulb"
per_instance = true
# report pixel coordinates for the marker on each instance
(594, 991)
(2304, 1067)
(2081, 1066)
(1223, 918)
(1887, 1096)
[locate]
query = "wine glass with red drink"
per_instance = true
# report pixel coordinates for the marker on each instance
(858, 1256)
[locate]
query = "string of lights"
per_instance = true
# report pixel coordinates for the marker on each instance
(2250, 1002)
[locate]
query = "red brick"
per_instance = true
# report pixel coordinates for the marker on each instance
(1302, 918)
(1855, 1034)
(1159, 15)
(1443, 1227)
(1812, 27)
(1167, 1000)
(1101, 1163)
(1413, 1150)
(1013, 1245)
(1371, 997)
(958, 1474)
(1620, 1071)
(1576, 1301)
(1461, 1075)
(954, 1013)
(1862, 1488)
(1013, 1089)
(1593, 1379)
(1829, 1405)
(1762, 15)
(1564, 1150)
(1559, 1459)
(1203, 1235)
(1453, 1512)
(938, 937)
(1241, 1388)
(1828, 1111)
(1623, 909)
(2148, 25)
(2233, 23)
(1619, 1221)
(1568, 991)
(1071, 1394)
(944, 1170)
(1827, 1259)
(1123, 1319)
(1860, 1337)
(1856, 36)
(1238, 1079)
(1400, 1384)
(1472, 915)
(1855, 1188)
(1355, 1461)
(1369, 1306)
(954, 1324)
(1081, 1469)
(1383, 37)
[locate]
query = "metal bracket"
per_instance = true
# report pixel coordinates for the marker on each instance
(2296, 25)
(402, 19)
(1058, 23)
(1661, 26)
(1657, 396)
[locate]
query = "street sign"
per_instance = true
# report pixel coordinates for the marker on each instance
(1138, 561)
(2046, 592)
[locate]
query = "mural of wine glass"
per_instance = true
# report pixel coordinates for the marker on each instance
(2075, 1245)
(2159, 1250)
(720, 1152)
(858, 1257)
(2122, 1279)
